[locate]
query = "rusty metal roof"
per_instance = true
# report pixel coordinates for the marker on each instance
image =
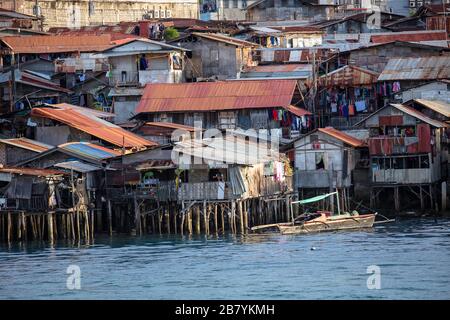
(213, 96)
(57, 43)
(170, 125)
(437, 106)
(225, 39)
(342, 137)
(32, 171)
(94, 126)
(27, 144)
(299, 112)
(411, 37)
(283, 71)
(419, 115)
(349, 76)
(430, 68)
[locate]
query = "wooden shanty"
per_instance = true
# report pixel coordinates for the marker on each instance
(406, 157)
(206, 185)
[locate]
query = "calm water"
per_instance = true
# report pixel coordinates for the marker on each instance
(414, 257)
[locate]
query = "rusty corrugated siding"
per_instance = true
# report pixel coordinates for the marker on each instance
(419, 115)
(430, 68)
(410, 37)
(225, 39)
(343, 137)
(213, 96)
(94, 126)
(28, 144)
(55, 44)
(349, 76)
(32, 171)
(170, 125)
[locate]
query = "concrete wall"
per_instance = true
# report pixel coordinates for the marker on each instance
(76, 13)
(288, 10)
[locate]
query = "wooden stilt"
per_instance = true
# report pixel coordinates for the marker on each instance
(50, 227)
(8, 227)
(137, 216)
(205, 218)
(216, 225)
(110, 228)
(197, 219)
(183, 215)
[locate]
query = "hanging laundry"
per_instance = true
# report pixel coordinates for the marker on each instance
(334, 108)
(351, 110)
(396, 87)
(360, 105)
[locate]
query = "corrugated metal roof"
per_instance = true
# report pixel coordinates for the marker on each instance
(342, 137)
(225, 39)
(411, 37)
(291, 71)
(84, 110)
(32, 171)
(77, 166)
(39, 82)
(89, 150)
(55, 44)
(27, 144)
(94, 126)
(297, 111)
(170, 125)
(221, 95)
(349, 76)
(419, 115)
(437, 106)
(430, 68)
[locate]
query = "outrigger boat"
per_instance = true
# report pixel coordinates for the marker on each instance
(321, 221)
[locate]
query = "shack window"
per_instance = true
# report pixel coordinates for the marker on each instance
(320, 161)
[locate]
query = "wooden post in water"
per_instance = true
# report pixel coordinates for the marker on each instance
(8, 227)
(183, 214)
(205, 218)
(110, 229)
(50, 227)
(137, 216)
(216, 225)
(241, 217)
(197, 219)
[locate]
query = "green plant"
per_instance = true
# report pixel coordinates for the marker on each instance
(171, 33)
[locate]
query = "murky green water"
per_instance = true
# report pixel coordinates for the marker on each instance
(413, 256)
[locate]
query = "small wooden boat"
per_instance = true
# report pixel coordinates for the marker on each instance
(321, 221)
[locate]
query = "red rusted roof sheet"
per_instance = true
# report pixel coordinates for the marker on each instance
(410, 37)
(225, 39)
(349, 76)
(32, 171)
(213, 96)
(94, 126)
(27, 144)
(170, 125)
(56, 44)
(299, 112)
(343, 137)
